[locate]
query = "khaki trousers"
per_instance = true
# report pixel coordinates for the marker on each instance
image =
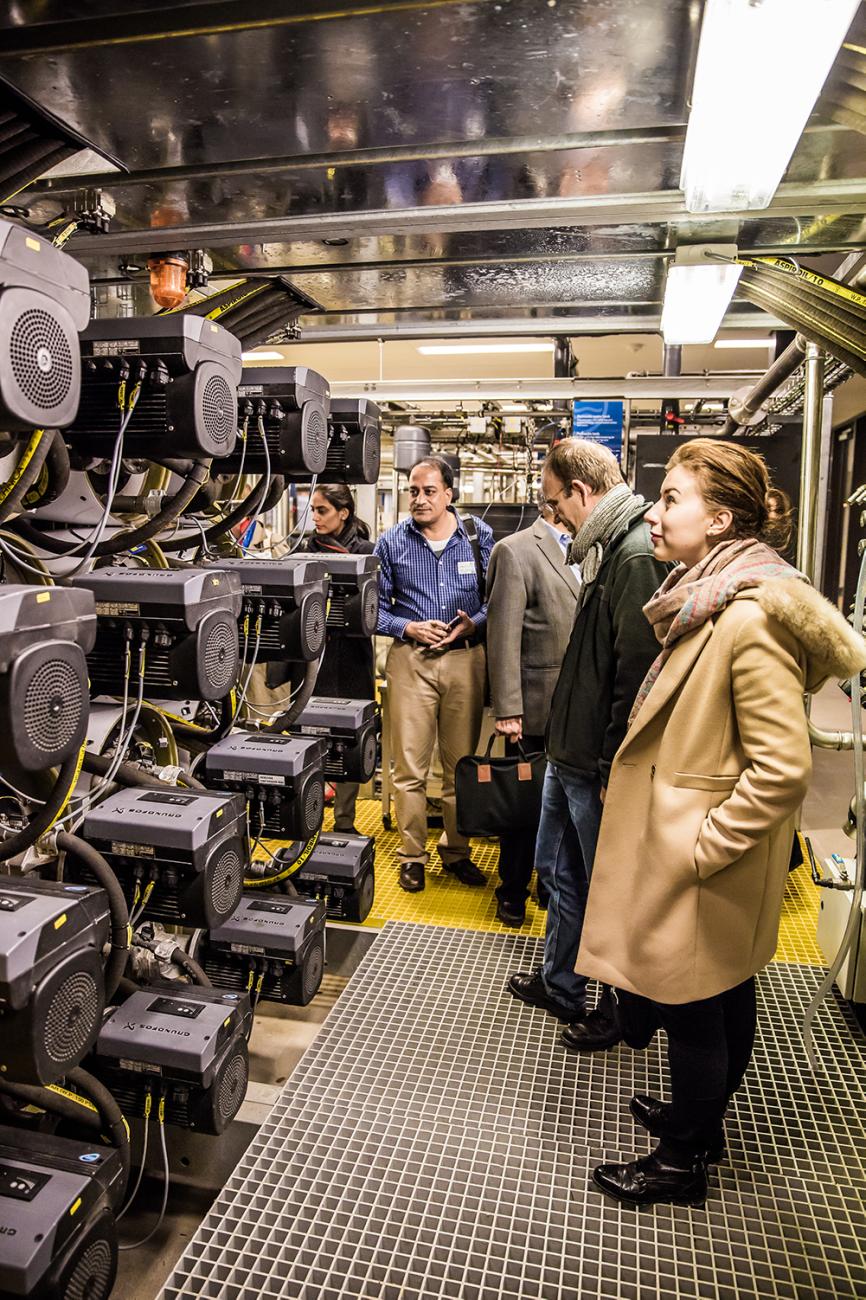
(431, 697)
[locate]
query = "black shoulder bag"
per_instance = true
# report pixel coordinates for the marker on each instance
(498, 795)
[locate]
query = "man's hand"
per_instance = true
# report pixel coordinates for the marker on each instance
(465, 627)
(512, 727)
(429, 632)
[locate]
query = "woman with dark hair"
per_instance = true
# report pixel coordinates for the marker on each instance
(347, 670)
(695, 841)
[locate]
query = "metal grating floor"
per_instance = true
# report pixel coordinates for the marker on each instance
(435, 1141)
(446, 902)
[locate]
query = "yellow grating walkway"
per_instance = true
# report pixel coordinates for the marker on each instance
(448, 903)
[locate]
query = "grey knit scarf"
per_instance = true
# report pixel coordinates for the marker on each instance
(608, 519)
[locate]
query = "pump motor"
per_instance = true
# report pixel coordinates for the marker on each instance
(293, 403)
(52, 989)
(44, 698)
(350, 729)
(189, 1046)
(188, 619)
(58, 1199)
(44, 302)
(274, 944)
(185, 372)
(183, 853)
(281, 778)
(283, 608)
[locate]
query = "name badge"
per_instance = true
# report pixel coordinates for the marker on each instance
(465, 566)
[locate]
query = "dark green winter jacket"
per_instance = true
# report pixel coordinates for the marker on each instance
(611, 647)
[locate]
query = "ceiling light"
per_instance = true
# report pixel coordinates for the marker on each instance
(760, 69)
(465, 349)
(698, 292)
(262, 356)
(743, 343)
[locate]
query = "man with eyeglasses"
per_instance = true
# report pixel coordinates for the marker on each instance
(431, 601)
(609, 652)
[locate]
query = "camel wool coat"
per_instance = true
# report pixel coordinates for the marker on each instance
(692, 859)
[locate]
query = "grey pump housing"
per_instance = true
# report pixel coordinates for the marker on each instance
(188, 369)
(341, 871)
(44, 303)
(58, 1198)
(289, 599)
(280, 776)
(192, 845)
(45, 634)
(278, 938)
(191, 615)
(293, 403)
(52, 990)
(351, 729)
(192, 1042)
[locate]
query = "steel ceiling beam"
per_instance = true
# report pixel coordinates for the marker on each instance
(453, 263)
(173, 22)
(649, 388)
(491, 147)
(845, 198)
(526, 327)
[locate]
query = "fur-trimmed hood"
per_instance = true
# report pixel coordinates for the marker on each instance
(832, 647)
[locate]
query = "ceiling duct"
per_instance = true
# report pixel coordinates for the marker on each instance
(33, 142)
(254, 310)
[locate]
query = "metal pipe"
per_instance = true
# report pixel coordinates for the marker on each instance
(672, 363)
(810, 461)
(741, 410)
(830, 739)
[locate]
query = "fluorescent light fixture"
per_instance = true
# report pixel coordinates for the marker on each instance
(698, 293)
(262, 356)
(743, 343)
(477, 349)
(760, 68)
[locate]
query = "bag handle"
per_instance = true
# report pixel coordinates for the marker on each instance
(492, 741)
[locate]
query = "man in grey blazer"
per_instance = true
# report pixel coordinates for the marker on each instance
(531, 600)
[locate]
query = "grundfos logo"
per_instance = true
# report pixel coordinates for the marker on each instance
(7, 1232)
(157, 1029)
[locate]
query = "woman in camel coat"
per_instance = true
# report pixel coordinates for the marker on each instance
(695, 842)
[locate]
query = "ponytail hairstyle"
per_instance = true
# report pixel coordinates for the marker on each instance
(339, 496)
(733, 478)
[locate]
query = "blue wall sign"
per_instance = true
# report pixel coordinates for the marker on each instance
(599, 422)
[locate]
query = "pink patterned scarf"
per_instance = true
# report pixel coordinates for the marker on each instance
(688, 597)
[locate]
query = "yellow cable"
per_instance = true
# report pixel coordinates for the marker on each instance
(261, 882)
(72, 784)
(29, 452)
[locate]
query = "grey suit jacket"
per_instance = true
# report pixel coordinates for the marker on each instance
(531, 599)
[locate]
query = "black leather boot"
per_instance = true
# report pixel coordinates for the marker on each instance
(654, 1116)
(649, 1180)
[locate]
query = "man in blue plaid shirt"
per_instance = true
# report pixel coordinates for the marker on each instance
(431, 589)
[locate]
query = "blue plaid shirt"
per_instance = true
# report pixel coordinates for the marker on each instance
(416, 584)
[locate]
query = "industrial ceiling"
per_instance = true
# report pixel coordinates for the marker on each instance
(414, 168)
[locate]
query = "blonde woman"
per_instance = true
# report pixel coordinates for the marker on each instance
(695, 841)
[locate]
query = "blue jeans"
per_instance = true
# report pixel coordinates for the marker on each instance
(571, 811)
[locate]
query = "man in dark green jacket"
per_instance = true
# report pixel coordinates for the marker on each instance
(610, 649)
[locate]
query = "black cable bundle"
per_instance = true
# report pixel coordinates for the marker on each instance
(826, 312)
(255, 310)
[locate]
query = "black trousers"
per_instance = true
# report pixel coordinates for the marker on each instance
(517, 851)
(709, 1048)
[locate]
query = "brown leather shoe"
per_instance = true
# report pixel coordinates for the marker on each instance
(412, 877)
